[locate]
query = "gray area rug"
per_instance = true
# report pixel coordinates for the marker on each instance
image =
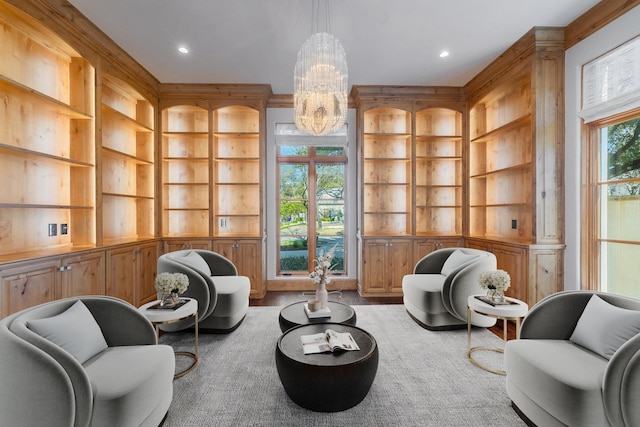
(423, 378)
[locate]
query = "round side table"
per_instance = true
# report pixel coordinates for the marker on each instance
(294, 315)
(162, 316)
(514, 310)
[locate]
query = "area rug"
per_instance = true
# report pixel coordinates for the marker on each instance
(424, 378)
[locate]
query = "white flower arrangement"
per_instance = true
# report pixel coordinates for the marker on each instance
(498, 280)
(323, 267)
(172, 283)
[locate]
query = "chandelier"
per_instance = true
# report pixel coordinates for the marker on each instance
(320, 85)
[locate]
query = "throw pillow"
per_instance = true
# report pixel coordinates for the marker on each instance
(75, 330)
(455, 260)
(603, 327)
(193, 259)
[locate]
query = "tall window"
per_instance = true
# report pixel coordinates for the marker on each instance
(311, 207)
(613, 253)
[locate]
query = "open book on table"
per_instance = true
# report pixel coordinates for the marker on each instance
(328, 341)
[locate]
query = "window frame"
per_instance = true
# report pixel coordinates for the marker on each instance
(590, 229)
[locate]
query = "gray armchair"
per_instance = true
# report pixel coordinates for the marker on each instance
(223, 296)
(90, 364)
(436, 294)
(577, 362)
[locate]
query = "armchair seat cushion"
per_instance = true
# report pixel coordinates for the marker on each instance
(562, 377)
(420, 290)
(233, 294)
(128, 382)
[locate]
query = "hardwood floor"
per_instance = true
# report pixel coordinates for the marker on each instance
(282, 298)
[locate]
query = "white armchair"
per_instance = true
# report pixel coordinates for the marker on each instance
(436, 294)
(222, 295)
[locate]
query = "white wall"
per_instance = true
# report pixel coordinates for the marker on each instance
(619, 31)
(285, 115)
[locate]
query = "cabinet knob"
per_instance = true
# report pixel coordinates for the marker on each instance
(69, 267)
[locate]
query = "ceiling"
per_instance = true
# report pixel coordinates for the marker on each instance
(387, 42)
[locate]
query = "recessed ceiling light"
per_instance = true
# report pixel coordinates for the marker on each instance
(183, 49)
(444, 54)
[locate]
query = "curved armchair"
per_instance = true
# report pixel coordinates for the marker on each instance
(436, 294)
(223, 296)
(554, 381)
(126, 379)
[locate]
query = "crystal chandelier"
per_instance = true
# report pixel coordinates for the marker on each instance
(320, 85)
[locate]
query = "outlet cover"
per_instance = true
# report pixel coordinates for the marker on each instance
(514, 224)
(53, 229)
(64, 229)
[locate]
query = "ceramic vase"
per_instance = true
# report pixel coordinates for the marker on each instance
(322, 294)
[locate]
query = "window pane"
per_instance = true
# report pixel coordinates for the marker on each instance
(330, 214)
(619, 212)
(619, 268)
(622, 143)
(330, 151)
(294, 249)
(294, 150)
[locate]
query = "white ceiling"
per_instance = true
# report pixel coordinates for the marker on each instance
(387, 42)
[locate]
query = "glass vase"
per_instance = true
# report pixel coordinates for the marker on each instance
(168, 299)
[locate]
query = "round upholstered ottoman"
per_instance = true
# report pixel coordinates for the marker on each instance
(326, 382)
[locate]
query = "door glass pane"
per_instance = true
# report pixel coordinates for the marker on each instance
(294, 203)
(330, 212)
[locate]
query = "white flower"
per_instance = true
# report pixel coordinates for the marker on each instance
(498, 280)
(172, 282)
(322, 269)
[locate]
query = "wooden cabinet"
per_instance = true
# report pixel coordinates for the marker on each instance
(127, 163)
(438, 171)
(83, 274)
(171, 245)
(29, 284)
(386, 172)
(185, 171)
(47, 140)
(516, 148)
(237, 193)
(247, 256)
(384, 263)
(131, 272)
(424, 246)
(412, 167)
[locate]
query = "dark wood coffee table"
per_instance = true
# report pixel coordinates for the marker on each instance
(294, 315)
(326, 382)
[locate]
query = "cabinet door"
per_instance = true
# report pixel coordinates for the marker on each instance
(247, 259)
(515, 262)
(121, 273)
(29, 285)
(178, 245)
(423, 247)
(399, 260)
(374, 268)
(147, 268)
(246, 255)
(83, 275)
